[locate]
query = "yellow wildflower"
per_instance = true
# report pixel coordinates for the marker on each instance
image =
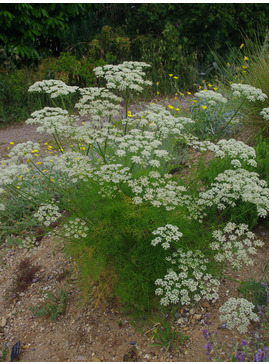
(242, 45)
(175, 98)
(246, 58)
(209, 85)
(38, 162)
(170, 74)
(11, 143)
(228, 64)
(52, 180)
(45, 143)
(215, 88)
(170, 107)
(244, 67)
(188, 93)
(204, 107)
(175, 77)
(18, 187)
(158, 93)
(157, 83)
(130, 114)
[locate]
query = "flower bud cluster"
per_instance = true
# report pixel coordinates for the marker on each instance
(188, 282)
(238, 312)
(234, 245)
(265, 113)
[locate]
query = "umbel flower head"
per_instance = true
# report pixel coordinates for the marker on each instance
(249, 92)
(125, 76)
(54, 88)
(238, 312)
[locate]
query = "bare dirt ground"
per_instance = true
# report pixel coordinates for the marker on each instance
(85, 332)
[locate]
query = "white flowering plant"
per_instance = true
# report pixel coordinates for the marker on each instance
(107, 180)
(238, 313)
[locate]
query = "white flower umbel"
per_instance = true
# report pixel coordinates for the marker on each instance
(188, 282)
(126, 76)
(237, 313)
(76, 229)
(99, 103)
(165, 235)
(209, 95)
(163, 192)
(249, 92)
(47, 214)
(23, 151)
(74, 165)
(233, 185)
(54, 88)
(265, 113)
(236, 150)
(158, 119)
(234, 245)
(51, 120)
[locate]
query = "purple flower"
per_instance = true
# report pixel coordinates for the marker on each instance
(206, 334)
(244, 342)
(240, 356)
(208, 348)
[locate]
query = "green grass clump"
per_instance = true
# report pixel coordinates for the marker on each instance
(53, 306)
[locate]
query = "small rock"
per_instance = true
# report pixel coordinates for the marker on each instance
(81, 358)
(3, 322)
(185, 320)
(177, 315)
(192, 311)
(96, 359)
(132, 342)
(205, 304)
(223, 326)
(180, 321)
(197, 317)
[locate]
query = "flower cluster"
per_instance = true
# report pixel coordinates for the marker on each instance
(265, 113)
(210, 96)
(162, 192)
(47, 214)
(23, 151)
(51, 120)
(238, 312)
(165, 235)
(76, 229)
(99, 103)
(54, 88)
(158, 119)
(125, 76)
(188, 282)
(236, 150)
(233, 185)
(234, 245)
(73, 164)
(249, 92)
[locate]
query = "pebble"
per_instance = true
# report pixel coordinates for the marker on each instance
(197, 317)
(81, 358)
(192, 311)
(3, 322)
(205, 304)
(177, 315)
(180, 321)
(96, 359)
(132, 342)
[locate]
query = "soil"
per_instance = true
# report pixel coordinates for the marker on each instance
(88, 332)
